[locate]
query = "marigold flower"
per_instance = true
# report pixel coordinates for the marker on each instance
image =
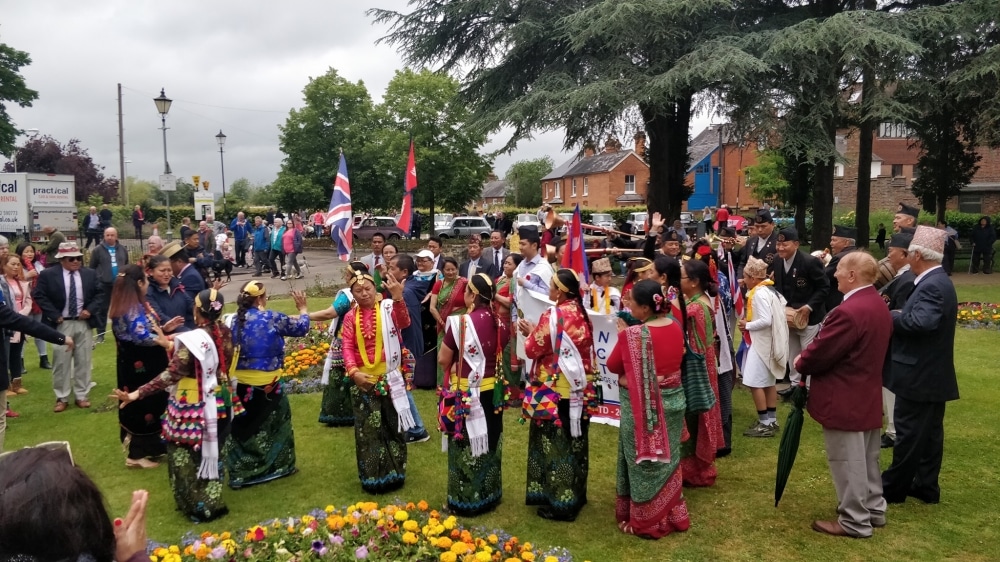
(493, 539)
(455, 534)
(460, 548)
(422, 505)
(329, 509)
(409, 538)
(528, 556)
(483, 556)
(444, 543)
(411, 525)
(448, 557)
(551, 559)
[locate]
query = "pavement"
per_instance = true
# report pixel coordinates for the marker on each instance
(318, 267)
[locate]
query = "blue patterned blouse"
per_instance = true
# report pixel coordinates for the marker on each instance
(134, 327)
(261, 339)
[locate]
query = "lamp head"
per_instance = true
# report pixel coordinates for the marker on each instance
(220, 138)
(162, 103)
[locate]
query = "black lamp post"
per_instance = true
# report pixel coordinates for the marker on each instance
(163, 106)
(221, 139)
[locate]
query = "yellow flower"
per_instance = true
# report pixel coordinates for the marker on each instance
(409, 538)
(401, 516)
(229, 544)
(551, 559)
(448, 557)
(527, 546)
(161, 552)
(493, 539)
(152, 559)
(449, 523)
(444, 543)
(483, 556)
(411, 525)
(460, 548)
(329, 509)
(174, 549)
(528, 555)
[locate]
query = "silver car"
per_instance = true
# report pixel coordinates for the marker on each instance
(603, 220)
(463, 227)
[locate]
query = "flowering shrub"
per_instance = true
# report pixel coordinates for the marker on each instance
(304, 359)
(362, 531)
(979, 315)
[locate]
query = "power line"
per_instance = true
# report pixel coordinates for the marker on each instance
(210, 105)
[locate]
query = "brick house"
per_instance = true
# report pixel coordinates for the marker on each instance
(494, 193)
(894, 159)
(718, 180)
(615, 177)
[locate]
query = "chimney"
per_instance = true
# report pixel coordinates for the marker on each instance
(491, 177)
(612, 145)
(640, 143)
(588, 149)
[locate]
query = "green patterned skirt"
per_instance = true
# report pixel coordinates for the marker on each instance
(474, 483)
(262, 447)
(336, 409)
(557, 467)
(198, 499)
(380, 447)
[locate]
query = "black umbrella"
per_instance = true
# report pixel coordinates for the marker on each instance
(789, 445)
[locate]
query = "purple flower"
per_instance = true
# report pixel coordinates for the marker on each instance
(361, 552)
(318, 548)
(337, 540)
(218, 553)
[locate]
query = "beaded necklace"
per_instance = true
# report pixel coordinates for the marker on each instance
(361, 341)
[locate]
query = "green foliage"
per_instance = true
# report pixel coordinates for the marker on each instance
(46, 155)
(13, 89)
(524, 178)
(767, 178)
(141, 192)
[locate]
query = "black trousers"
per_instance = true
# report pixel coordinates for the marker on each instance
(93, 236)
(917, 453)
(273, 258)
(241, 252)
(102, 314)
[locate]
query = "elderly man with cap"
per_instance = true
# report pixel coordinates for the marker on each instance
(70, 298)
(767, 357)
(842, 242)
(763, 245)
(601, 297)
(476, 263)
(845, 364)
(895, 294)
(800, 279)
(922, 373)
(905, 220)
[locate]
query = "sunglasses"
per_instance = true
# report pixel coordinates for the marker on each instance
(73, 258)
(50, 445)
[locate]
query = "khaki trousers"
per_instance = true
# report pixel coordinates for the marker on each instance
(73, 367)
(853, 458)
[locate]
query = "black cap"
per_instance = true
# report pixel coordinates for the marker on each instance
(905, 209)
(788, 235)
(529, 233)
(670, 236)
(901, 240)
(845, 231)
(763, 217)
(727, 232)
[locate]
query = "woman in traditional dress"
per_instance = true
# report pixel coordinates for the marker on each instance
(199, 410)
(143, 353)
(469, 356)
(336, 409)
(166, 294)
(447, 299)
(503, 300)
(263, 444)
(373, 357)
(705, 430)
(638, 269)
(561, 347)
(647, 358)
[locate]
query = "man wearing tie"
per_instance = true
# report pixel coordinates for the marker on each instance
(375, 259)
(70, 298)
(496, 253)
(476, 263)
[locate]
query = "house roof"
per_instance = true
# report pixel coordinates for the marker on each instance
(706, 143)
(842, 149)
(601, 162)
(494, 189)
(560, 170)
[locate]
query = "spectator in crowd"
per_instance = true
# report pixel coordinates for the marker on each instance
(107, 260)
(242, 235)
(92, 228)
(55, 238)
(106, 216)
(138, 219)
(984, 235)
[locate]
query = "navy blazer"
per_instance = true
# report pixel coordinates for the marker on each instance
(923, 342)
(50, 294)
(193, 281)
(483, 267)
(804, 284)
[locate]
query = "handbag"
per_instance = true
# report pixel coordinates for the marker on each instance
(698, 394)
(540, 403)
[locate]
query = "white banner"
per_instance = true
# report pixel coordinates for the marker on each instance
(605, 338)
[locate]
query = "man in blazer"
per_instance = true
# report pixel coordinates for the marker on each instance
(800, 279)
(107, 259)
(185, 270)
(922, 372)
(71, 299)
(845, 363)
(841, 243)
(497, 252)
(476, 264)
(763, 245)
(895, 294)
(375, 259)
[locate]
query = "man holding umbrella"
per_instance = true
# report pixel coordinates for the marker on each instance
(845, 361)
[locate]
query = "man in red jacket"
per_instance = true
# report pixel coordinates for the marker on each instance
(845, 361)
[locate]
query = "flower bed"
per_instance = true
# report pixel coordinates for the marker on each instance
(979, 315)
(304, 359)
(362, 531)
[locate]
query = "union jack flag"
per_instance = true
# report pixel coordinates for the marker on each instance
(339, 218)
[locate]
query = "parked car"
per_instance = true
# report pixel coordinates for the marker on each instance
(442, 220)
(567, 219)
(463, 227)
(636, 223)
(386, 226)
(603, 220)
(783, 217)
(527, 219)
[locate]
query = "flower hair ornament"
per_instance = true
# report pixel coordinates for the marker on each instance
(658, 302)
(213, 304)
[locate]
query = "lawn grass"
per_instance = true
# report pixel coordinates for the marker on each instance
(734, 520)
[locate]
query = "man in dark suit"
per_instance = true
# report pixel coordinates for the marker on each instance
(895, 294)
(922, 373)
(434, 245)
(844, 363)
(841, 243)
(497, 252)
(799, 278)
(107, 259)
(401, 269)
(476, 264)
(905, 220)
(185, 271)
(70, 299)
(763, 245)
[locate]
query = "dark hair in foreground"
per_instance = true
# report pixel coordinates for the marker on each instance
(405, 262)
(697, 270)
(51, 510)
(125, 293)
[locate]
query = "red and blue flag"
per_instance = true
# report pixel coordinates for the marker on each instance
(574, 257)
(339, 218)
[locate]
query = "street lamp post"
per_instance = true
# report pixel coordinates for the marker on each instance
(221, 139)
(32, 133)
(163, 106)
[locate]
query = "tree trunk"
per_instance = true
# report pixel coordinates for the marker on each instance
(667, 154)
(862, 205)
(822, 205)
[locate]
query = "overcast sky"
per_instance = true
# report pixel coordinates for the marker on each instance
(238, 66)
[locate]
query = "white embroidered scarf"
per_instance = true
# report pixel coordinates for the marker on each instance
(571, 367)
(201, 346)
(472, 354)
(393, 359)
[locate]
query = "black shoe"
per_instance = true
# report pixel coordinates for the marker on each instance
(257, 275)
(925, 497)
(410, 439)
(887, 442)
(785, 392)
(43, 362)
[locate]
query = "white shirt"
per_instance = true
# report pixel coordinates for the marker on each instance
(79, 292)
(852, 291)
(924, 274)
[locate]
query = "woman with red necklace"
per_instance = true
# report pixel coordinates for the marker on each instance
(143, 353)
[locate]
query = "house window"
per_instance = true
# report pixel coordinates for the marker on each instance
(630, 184)
(970, 204)
(838, 170)
(586, 188)
(894, 131)
(915, 173)
(573, 193)
(558, 193)
(897, 170)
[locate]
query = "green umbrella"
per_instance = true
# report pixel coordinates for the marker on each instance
(789, 445)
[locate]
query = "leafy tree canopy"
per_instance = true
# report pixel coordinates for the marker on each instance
(45, 155)
(767, 178)
(13, 89)
(524, 178)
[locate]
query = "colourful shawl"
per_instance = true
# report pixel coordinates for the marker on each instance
(651, 440)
